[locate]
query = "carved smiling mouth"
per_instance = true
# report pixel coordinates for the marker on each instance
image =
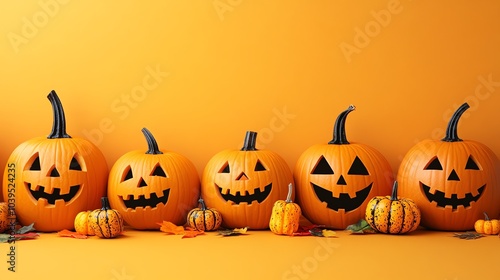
(238, 198)
(143, 202)
(344, 201)
(55, 195)
(453, 201)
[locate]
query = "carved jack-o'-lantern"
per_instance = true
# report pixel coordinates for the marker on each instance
(55, 177)
(335, 181)
(453, 181)
(244, 184)
(149, 187)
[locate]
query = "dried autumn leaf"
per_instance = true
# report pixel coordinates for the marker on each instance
(72, 234)
(171, 228)
(468, 235)
(231, 232)
(360, 227)
(191, 232)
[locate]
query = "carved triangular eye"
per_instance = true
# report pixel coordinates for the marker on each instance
(158, 171)
(35, 166)
(259, 166)
(358, 168)
(471, 164)
(434, 164)
(74, 165)
(128, 174)
(225, 168)
(322, 168)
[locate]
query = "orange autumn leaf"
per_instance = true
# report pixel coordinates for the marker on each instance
(171, 228)
(68, 233)
(191, 232)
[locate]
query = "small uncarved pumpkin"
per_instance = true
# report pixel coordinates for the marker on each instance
(285, 216)
(487, 226)
(204, 219)
(106, 222)
(4, 213)
(82, 225)
(390, 214)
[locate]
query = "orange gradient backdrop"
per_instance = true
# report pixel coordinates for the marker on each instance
(199, 74)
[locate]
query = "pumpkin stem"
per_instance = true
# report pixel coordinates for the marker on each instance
(339, 137)
(486, 218)
(202, 202)
(394, 195)
(250, 140)
(105, 203)
(152, 144)
(451, 131)
(289, 195)
(59, 123)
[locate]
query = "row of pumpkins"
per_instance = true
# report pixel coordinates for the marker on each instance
(49, 180)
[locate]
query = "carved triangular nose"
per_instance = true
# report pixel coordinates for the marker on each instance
(142, 183)
(341, 181)
(453, 176)
(242, 176)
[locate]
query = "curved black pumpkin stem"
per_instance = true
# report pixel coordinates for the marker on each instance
(339, 137)
(250, 141)
(59, 123)
(451, 131)
(203, 205)
(105, 203)
(486, 218)
(152, 144)
(394, 195)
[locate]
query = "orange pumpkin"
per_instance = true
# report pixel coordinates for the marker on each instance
(244, 184)
(453, 181)
(149, 187)
(56, 177)
(335, 181)
(4, 216)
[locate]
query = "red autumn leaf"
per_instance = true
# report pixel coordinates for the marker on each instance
(171, 228)
(72, 234)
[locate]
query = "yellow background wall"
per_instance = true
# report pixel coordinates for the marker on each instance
(199, 74)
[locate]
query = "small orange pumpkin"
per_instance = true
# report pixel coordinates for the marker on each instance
(82, 225)
(487, 226)
(204, 219)
(392, 214)
(4, 214)
(106, 222)
(286, 215)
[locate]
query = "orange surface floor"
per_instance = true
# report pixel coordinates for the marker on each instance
(258, 255)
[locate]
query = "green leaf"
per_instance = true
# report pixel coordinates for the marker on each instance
(26, 229)
(360, 227)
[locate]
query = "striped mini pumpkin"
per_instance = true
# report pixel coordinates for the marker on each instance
(204, 219)
(393, 215)
(106, 222)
